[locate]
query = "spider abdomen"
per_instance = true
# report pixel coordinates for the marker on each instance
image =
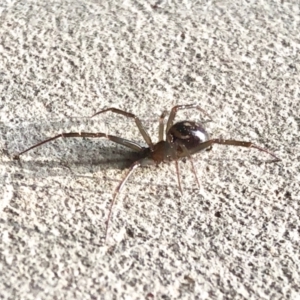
(188, 133)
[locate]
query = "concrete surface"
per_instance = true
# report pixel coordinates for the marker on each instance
(237, 237)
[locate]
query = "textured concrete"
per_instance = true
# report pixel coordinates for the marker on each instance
(237, 237)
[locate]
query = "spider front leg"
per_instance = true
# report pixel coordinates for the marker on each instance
(209, 143)
(179, 107)
(132, 145)
(138, 123)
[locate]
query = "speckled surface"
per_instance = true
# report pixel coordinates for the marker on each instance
(237, 237)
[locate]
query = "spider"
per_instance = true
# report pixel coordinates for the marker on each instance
(182, 139)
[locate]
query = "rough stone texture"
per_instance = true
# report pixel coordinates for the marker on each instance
(237, 237)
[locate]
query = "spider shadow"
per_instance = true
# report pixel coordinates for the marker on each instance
(78, 158)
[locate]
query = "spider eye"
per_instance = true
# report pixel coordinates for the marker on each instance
(188, 133)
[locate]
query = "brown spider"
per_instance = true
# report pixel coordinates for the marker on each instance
(183, 139)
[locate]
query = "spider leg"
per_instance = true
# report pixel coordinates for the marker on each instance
(173, 153)
(132, 145)
(178, 175)
(118, 190)
(187, 154)
(161, 126)
(209, 143)
(138, 123)
(179, 107)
